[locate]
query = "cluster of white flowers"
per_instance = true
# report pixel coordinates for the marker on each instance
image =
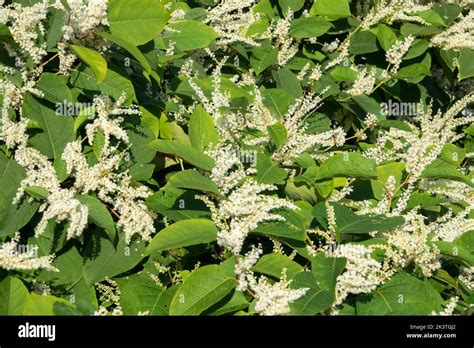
(26, 27)
(15, 257)
(286, 44)
(362, 274)
(85, 16)
(396, 52)
(394, 10)
(109, 296)
(298, 140)
(364, 83)
(231, 19)
(271, 298)
(459, 35)
(410, 244)
(450, 307)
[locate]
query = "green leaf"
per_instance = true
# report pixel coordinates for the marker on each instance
(402, 295)
(37, 192)
(342, 73)
(137, 22)
(130, 48)
(349, 164)
(277, 100)
(189, 35)
(93, 59)
(419, 30)
(183, 233)
(386, 36)
(103, 260)
(57, 20)
(191, 179)
(455, 250)
(273, 265)
(326, 270)
(44, 305)
(288, 81)
(465, 66)
(233, 302)
(99, 215)
(13, 296)
(203, 288)
(262, 57)
(281, 229)
(333, 9)
(315, 300)
(186, 152)
(293, 5)
(114, 85)
(414, 71)
(278, 133)
(431, 17)
(440, 169)
(149, 297)
(268, 172)
(308, 27)
(57, 130)
(201, 129)
(383, 172)
(363, 42)
(417, 48)
(55, 88)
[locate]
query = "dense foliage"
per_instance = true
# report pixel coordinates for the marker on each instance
(236, 157)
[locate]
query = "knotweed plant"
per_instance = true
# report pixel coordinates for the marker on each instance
(237, 157)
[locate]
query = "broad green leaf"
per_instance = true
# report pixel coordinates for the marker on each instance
(57, 19)
(440, 169)
(418, 47)
(342, 73)
(268, 172)
(348, 164)
(136, 22)
(44, 305)
(281, 229)
(57, 130)
(130, 48)
(178, 204)
(262, 57)
(186, 152)
(277, 100)
(192, 179)
(333, 9)
(99, 215)
(55, 88)
(298, 189)
(431, 17)
(293, 5)
(278, 133)
(189, 35)
(326, 269)
(202, 289)
(419, 30)
(414, 71)
(455, 250)
(201, 129)
(114, 84)
(465, 65)
(183, 233)
(402, 295)
(315, 300)
(383, 172)
(94, 60)
(386, 36)
(348, 222)
(103, 260)
(13, 296)
(149, 295)
(288, 81)
(308, 27)
(37, 192)
(363, 42)
(233, 302)
(273, 265)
